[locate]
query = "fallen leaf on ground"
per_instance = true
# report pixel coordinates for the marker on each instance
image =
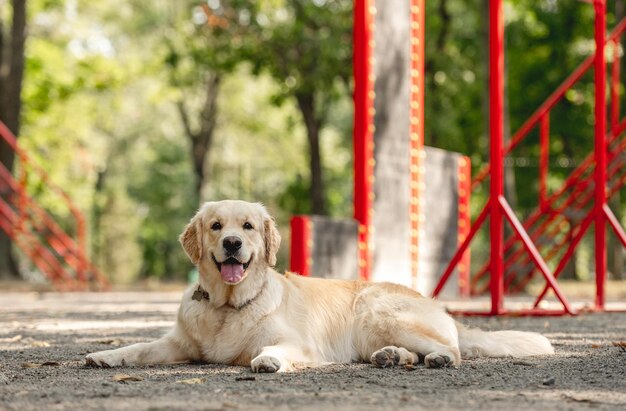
(15, 338)
(36, 343)
(621, 345)
(123, 378)
(576, 399)
(595, 346)
(192, 381)
(115, 342)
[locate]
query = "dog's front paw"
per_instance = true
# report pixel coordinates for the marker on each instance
(104, 359)
(434, 360)
(265, 363)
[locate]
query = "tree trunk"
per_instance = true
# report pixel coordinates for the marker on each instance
(11, 75)
(306, 102)
(202, 139)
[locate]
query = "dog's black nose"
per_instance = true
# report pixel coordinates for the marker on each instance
(232, 244)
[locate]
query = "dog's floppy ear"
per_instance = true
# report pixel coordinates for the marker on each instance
(272, 240)
(191, 239)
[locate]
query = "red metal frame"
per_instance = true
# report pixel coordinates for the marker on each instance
(544, 154)
(578, 198)
(36, 232)
(550, 102)
(574, 194)
(363, 137)
(497, 205)
(301, 245)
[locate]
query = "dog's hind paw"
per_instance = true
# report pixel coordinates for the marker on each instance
(265, 363)
(386, 357)
(390, 356)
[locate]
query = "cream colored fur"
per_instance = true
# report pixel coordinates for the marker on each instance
(275, 322)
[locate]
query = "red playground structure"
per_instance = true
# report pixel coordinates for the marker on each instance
(59, 254)
(514, 260)
(578, 185)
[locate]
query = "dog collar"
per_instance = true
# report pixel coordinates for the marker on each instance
(248, 302)
(200, 295)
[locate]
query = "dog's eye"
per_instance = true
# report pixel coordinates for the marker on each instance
(216, 227)
(248, 226)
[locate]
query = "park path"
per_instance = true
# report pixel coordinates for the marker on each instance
(45, 336)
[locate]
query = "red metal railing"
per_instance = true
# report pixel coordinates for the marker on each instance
(584, 192)
(548, 216)
(58, 255)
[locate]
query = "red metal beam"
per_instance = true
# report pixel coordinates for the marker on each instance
(614, 223)
(568, 254)
(301, 245)
(363, 137)
(600, 150)
(461, 250)
(496, 131)
(534, 253)
(544, 153)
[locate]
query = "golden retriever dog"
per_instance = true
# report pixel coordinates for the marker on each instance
(243, 312)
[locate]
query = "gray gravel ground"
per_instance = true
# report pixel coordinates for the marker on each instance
(588, 371)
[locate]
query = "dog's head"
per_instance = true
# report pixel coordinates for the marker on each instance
(233, 237)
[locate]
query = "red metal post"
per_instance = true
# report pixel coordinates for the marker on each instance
(416, 131)
(363, 137)
(544, 153)
(600, 151)
(301, 244)
(496, 129)
(464, 222)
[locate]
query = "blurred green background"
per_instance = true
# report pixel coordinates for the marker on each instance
(140, 110)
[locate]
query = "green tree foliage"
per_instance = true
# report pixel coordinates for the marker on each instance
(305, 46)
(116, 91)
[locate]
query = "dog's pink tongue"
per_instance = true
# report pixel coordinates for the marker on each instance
(232, 273)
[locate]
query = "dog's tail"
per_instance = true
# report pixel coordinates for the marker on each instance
(474, 342)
